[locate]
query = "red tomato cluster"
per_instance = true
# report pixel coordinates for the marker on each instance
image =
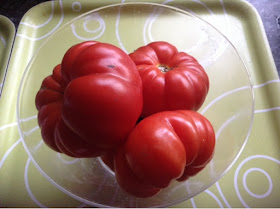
(137, 112)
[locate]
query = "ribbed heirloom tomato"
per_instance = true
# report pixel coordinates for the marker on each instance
(171, 80)
(91, 101)
(166, 146)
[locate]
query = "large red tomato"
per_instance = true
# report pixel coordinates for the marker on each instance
(171, 80)
(91, 101)
(166, 146)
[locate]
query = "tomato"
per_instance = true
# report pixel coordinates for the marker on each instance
(49, 103)
(171, 80)
(90, 102)
(166, 146)
(128, 181)
(108, 159)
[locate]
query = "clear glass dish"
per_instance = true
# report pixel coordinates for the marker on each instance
(229, 104)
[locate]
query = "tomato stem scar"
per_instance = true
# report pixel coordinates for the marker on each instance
(164, 68)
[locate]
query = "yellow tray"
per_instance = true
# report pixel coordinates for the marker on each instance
(254, 179)
(7, 34)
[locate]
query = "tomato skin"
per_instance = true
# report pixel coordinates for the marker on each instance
(108, 159)
(112, 105)
(67, 139)
(70, 57)
(48, 102)
(47, 118)
(184, 85)
(167, 146)
(206, 134)
(154, 152)
(206, 149)
(51, 89)
(128, 181)
(99, 93)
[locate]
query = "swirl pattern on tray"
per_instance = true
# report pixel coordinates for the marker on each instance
(260, 196)
(94, 33)
(29, 34)
(76, 6)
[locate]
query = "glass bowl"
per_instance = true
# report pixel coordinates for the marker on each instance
(229, 104)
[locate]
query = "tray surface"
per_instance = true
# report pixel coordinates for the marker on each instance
(7, 34)
(253, 181)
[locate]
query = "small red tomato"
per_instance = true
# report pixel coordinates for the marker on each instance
(172, 80)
